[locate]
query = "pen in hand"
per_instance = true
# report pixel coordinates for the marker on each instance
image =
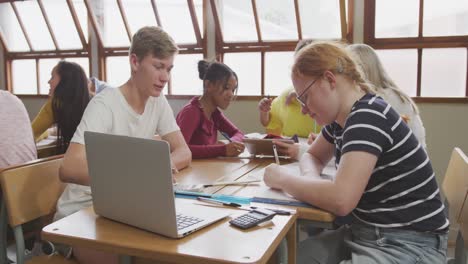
(226, 136)
(275, 152)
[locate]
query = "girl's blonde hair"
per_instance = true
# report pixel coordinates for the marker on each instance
(318, 57)
(366, 57)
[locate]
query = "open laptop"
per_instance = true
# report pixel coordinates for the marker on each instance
(131, 182)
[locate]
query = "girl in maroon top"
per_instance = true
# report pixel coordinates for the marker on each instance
(200, 119)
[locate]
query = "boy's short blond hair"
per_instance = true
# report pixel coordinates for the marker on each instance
(152, 40)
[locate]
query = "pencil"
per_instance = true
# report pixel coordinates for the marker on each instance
(230, 183)
(276, 154)
(226, 136)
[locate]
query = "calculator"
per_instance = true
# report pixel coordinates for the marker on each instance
(252, 218)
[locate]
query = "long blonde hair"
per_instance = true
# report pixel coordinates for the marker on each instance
(318, 57)
(366, 57)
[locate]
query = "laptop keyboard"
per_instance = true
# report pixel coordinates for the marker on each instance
(184, 221)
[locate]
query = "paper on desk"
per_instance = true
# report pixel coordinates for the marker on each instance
(50, 140)
(263, 191)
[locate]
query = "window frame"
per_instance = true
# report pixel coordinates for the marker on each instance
(200, 47)
(37, 55)
(420, 42)
(223, 47)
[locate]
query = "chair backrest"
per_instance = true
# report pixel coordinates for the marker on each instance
(31, 190)
(455, 184)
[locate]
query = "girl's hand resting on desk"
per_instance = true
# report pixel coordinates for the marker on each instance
(265, 105)
(272, 176)
(286, 149)
(233, 149)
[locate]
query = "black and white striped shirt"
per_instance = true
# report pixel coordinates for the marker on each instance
(402, 190)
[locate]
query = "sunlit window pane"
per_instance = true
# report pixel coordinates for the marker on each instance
(110, 23)
(24, 76)
(139, 14)
(118, 70)
(176, 20)
(396, 19)
(402, 66)
(35, 25)
(45, 73)
(237, 21)
(199, 10)
(278, 72)
(320, 19)
(184, 77)
(445, 18)
(83, 62)
(11, 30)
(62, 24)
(443, 72)
(82, 14)
(277, 19)
(247, 67)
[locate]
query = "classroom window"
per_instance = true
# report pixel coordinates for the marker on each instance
(184, 75)
(439, 79)
(445, 18)
(258, 37)
(425, 49)
(320, 19)
(278, 71)
(402, 66)
(28, 74)
(388, 26)
(255, 37)
(20, 69)
(248, 69)
(118, 70)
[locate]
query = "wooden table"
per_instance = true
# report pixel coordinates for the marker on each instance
(218, 243)
(46, 147)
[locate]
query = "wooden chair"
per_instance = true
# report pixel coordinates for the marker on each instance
(30, 191)
(455, 187)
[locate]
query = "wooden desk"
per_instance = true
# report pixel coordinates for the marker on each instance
(46, 147)
(218, 243)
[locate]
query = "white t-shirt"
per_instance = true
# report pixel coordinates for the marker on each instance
(108, 112)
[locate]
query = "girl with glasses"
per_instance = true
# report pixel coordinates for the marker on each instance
(384, 179)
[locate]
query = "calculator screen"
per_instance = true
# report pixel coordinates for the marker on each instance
(257, 215)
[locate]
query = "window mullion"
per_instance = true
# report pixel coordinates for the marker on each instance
(94, 23)
(219, 32)
(418, 78)
(38, 81)
(77, 24)
(344, 27)
(124, 19)
(46, 19)
(262, 73)
(156, 13)
(196, 27)
(257, 22)
(421, 19)
(298, 19)
(20, 21)
(4, 43)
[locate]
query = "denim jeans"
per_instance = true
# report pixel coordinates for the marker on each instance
(365, 244)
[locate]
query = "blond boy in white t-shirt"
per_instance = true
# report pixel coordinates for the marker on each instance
(137, 109)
